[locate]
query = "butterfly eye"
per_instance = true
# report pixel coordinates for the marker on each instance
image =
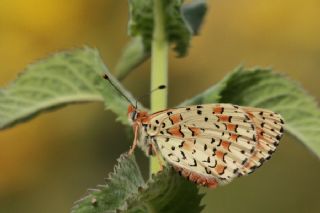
(134, 115)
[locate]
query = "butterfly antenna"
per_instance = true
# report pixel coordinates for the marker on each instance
(153, 90)
(106, 77)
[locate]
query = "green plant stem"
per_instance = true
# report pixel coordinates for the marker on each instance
(159, 68)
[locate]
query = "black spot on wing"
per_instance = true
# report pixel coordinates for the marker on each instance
(213, 166)
(223, 158)
(254, 138)
(236, 129)
(205, 147)
(194, 163)
(207, 161)
(192, 132)
(176, 158)
(208, 171)
(181, 145)
(244, 161)
(183, 155)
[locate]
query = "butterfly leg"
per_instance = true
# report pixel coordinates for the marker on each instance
(158, 156)
(135, 140)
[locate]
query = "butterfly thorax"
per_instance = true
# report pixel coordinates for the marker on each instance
(141, 120)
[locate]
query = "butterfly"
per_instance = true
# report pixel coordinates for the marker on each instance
(209, 144)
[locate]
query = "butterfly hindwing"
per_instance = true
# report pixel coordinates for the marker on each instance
(216, 141)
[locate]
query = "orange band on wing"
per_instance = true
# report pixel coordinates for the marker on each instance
(219, 154)
(175, 131)
(195, 131)
(220, 169)
(223, 118)
(234, 137)
(176, 118)
(217, 110)
(226, 145)
(231, 127)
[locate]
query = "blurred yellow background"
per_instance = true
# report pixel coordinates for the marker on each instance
(48, 163)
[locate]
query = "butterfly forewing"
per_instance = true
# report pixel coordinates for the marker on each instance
(215, 142)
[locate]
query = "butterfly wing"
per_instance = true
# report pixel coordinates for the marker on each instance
(211, 144)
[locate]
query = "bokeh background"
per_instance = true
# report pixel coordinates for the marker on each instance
(48, 163)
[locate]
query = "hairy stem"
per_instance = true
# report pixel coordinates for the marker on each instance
(159, 68)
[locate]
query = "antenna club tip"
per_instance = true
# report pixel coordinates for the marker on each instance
(105, 76)
(162, 87)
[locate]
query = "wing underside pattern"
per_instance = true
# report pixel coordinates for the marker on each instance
(214, 143)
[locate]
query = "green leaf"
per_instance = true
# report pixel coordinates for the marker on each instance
(266, 89)
(123, 183)
(141, 27)
(178, 31)
(167, 192)
(126, 191)
(142, 20)
(63, 78)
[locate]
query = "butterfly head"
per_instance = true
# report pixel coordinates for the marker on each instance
(135, 115)
(132, 113)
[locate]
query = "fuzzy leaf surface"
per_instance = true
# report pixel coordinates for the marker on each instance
(112, 196)
(125, 191)
(61, 79)
(141, 27)
(266, 89)
(141, 23)
(167, 192)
